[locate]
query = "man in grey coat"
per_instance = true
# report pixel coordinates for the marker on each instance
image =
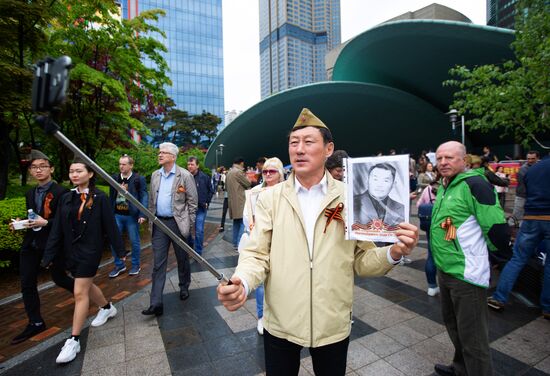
(173, 198)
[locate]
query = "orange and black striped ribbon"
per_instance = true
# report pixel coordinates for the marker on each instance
(81, 208)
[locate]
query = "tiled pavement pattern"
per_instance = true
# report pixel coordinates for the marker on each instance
(397, 331)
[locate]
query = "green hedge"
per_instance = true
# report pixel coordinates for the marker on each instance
(10, 241)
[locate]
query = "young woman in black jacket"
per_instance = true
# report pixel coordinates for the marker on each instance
(84, 219)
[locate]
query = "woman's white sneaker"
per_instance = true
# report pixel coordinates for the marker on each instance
(433, 291)
(69, 351)
(103, 315)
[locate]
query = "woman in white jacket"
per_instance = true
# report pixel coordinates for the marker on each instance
(272, 173)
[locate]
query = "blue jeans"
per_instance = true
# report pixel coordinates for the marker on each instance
(260, 301)
(429, 267)
(238, 229)
(199, 231)
(533, 235)
(129, 223)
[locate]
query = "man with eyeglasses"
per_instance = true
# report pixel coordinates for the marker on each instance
(173, 198)
(127, 216)
(43, 201)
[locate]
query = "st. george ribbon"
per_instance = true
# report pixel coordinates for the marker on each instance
(49, 88)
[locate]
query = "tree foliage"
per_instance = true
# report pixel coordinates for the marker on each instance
(179, 127)
(513, 97)
(111, 87)
(22, 41)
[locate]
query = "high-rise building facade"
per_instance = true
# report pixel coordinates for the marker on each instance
(295, 35)
(195, 50)
(501, 13)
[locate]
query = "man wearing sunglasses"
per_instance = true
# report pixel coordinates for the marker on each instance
(43, 201)
(298, 249)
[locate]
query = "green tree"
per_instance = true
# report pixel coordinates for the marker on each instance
(513, 97)
(111, 87)
(22, 42)
(205, 126)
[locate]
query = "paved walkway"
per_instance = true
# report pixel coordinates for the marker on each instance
(397, 331)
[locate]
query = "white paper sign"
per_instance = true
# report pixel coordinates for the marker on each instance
(377, 196)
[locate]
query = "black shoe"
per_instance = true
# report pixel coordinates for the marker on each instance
(221, 229)
(157, 311)
(184, 294)
(30, 331)
(443, 370)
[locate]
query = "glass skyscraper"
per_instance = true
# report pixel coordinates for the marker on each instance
(295, 36)
(501, 13)
(195, 50)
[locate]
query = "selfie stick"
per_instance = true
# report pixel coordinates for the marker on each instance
(51, 79)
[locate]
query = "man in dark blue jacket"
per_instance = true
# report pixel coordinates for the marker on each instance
(533, 237)
(205, 191)
(43, 200)
(127, 216)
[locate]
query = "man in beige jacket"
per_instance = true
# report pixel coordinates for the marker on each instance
(236, 183)
(306, 263)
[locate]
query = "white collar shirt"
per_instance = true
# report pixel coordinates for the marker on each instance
(310, 202)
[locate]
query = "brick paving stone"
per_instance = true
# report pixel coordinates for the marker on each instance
(45, 334)
(65, 303)
(120, 295)
(57, 304)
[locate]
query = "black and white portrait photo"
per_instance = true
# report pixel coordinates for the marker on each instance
(377, 195)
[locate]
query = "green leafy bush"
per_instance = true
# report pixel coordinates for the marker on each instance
(10, 241)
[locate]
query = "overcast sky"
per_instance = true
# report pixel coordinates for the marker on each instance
(241, 37)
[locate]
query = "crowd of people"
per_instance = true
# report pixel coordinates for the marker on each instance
(290, 235)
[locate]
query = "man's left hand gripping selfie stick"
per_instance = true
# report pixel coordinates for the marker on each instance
(49, 90)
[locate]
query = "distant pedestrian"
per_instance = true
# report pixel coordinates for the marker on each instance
(273, 174)
(487, 153)
(237, 183)
(205, 191)
(127, 215)
(501, 191)
(84, 219)
(425, 208)
(426, 176)
(334, 164)
(533, 237)
(44, 201)
(533, 157)
(225, 205)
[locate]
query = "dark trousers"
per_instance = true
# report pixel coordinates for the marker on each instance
(224, 211)
(465, 313)
(29, 268)
(282, 357)
(161, 243)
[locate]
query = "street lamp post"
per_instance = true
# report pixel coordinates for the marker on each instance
(453, 117)
(219, 149)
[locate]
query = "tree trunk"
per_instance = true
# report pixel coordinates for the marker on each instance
(4, 157)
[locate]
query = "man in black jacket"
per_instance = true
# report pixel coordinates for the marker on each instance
(205, 191)
(127, 216)
(43, 200)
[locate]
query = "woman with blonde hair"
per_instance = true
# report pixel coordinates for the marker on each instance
(272, 173)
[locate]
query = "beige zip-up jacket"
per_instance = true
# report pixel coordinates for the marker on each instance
(308, 301)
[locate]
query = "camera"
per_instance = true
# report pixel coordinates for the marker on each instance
(50, 83)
